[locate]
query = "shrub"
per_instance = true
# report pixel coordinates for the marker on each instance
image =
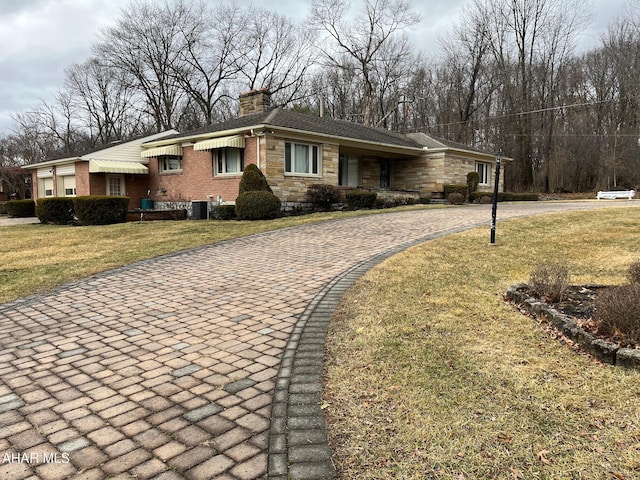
(323, 195)
(455, 188)
(509, 196)
(21, 208)
(224, 212)
(617, 312)
(424, 200)
(485, 199)
(253, 180)
(473, 179)
(455, 198)
(550, 281)
(361, 199)
(634, 272)
(56, 210)
(3, 208)
(517, 197)
(256, 205)
(101, 210)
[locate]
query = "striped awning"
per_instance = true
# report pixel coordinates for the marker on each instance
(114, 166)
(234, 141)
(159, 151)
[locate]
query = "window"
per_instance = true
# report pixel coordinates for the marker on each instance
(69, 186)
(301, 158)
(349, 171)
(483, 172)
(229, 160)
(48, 187)
(115, 185)
(170, 163)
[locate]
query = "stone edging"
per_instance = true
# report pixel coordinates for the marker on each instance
(298, 441)
(607, 352)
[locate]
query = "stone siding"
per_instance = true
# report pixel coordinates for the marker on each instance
(293, 188)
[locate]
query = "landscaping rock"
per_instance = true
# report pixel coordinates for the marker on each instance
(628, 357)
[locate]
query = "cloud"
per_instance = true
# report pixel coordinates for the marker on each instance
(40, 38)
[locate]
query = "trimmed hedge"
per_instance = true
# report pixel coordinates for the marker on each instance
(257, 205)
(101, 210)
(455, 188)
(361, 199)
(473, 179)
(509, 196)
(224, 212)
(455, 198)
(253, 180)
(323, 195)
(56, 210)
(21, 208)
(3, 208)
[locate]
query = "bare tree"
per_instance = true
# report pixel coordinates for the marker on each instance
(105, 100)
(360, 43)
(275, 54)
(468, 67)
(209, 53)
(145, 44)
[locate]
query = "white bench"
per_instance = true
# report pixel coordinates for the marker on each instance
(628, 194)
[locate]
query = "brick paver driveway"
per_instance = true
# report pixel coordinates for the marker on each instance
(171, 368)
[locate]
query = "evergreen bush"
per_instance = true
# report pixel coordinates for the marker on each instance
(101, 210)
(21, 208)
(473, 179)
(455, 188)
(322, 195)
(257, 205)
(361, 199)
(224, 212)
(455, 198)
(56, 210)
(253, 180)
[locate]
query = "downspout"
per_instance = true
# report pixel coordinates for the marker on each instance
(257, 147)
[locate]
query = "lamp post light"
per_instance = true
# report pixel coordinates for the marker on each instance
(494, 208)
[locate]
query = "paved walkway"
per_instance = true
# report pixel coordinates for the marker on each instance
(8, 221)
(198, 365)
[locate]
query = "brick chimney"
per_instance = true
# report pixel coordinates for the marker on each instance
(255, 101)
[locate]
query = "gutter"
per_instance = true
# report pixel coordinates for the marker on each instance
(274, 128)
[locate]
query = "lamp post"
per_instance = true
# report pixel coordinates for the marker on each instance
(495, 197)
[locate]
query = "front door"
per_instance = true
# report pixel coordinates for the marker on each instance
(385, 173)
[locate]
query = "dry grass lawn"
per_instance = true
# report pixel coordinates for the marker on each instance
(431, 375)
(36, 258)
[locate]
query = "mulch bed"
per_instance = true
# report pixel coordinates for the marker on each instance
(579, 304)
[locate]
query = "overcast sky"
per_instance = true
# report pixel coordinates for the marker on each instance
(40, 38)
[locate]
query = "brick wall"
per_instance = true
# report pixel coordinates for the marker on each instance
(83, 186)
(197, 179)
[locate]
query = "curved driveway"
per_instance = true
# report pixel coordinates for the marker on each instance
(202, 364)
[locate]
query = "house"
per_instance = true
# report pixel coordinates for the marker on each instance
(115, 169)
(295, 150)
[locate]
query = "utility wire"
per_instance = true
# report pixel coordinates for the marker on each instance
(507, 115)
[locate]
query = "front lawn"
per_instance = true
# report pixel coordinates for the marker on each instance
(431, 375)
(36, 258)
